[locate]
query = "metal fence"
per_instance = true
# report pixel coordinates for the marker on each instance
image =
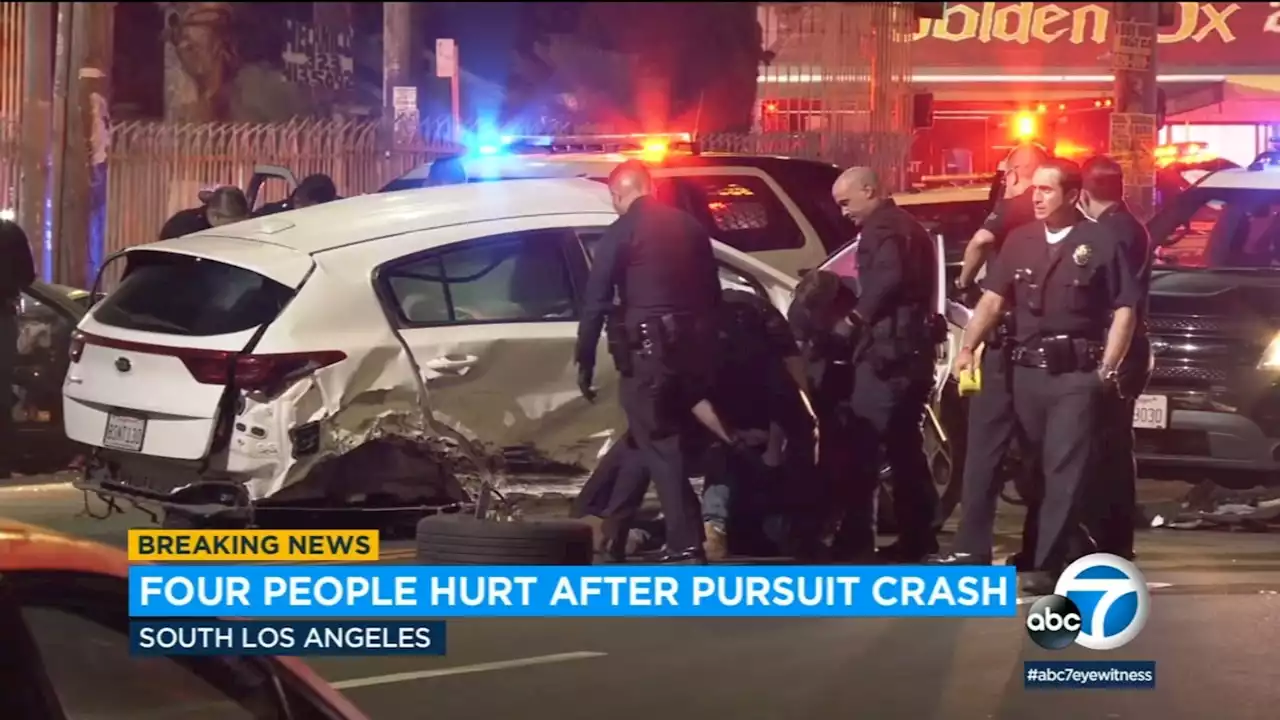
(12, 31)
(157, 169)
(836, 85)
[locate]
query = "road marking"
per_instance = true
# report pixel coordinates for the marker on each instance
(465, 669)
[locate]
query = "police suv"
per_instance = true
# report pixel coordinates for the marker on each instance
(1212, 407)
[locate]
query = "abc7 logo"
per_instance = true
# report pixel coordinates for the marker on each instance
(1115, 616)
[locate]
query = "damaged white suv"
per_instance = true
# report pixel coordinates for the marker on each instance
(379, 351)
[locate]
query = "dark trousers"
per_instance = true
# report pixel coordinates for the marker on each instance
(1059, 416)
(657, 403)
(619, 472)
(8, 359)
(993, 425)
(1112, 500)
(885, 420)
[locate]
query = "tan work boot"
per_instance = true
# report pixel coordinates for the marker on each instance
(716, 546)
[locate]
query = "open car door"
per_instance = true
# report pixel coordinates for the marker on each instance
(843, 262)
(263, 174)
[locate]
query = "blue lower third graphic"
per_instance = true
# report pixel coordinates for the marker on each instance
(286, 637)
(1089, 675)
(392, 591)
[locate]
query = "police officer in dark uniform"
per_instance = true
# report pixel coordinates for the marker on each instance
(755, 390)
(898, 331)
(1073, 296)
(660, 261)
(17, 272)
(1111, 502)
(992, 423)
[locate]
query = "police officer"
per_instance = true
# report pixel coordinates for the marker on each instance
(17, 272)
(897, 334)
(1111, 502)
(992, 423)
(1073, 297)
(757, 354)
(661, 262)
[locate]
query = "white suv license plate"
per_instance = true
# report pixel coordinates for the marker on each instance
(124, 432)
(1151, 412)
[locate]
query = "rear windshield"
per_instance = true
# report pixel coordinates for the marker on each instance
(180, 295)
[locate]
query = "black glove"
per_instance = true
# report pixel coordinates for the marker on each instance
(585, 373)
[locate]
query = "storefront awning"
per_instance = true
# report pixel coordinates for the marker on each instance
(1241, 100)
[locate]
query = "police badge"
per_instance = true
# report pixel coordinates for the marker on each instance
(1081, 255)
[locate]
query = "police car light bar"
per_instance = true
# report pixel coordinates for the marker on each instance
(648, 142)
(589, 139)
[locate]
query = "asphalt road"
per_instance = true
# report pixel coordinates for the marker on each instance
(1214, 632)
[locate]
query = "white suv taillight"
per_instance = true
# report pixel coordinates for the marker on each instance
(263, 373)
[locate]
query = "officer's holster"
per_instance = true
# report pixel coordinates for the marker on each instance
(620, 345)
(668, 339)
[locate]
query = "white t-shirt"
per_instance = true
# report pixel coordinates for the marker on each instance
(1053, 237)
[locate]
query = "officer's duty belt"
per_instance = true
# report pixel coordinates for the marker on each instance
(1059, 354)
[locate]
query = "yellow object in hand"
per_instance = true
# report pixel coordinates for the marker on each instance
(971, 381)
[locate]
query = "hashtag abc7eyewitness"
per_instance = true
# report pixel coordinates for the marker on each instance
(1100, 603)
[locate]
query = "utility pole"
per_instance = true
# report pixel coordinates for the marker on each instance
(79, 243)
(399, 92)
(37, 127)
(1134, 29)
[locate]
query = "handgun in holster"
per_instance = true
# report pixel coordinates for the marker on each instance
(619, 343)
(1064, 354)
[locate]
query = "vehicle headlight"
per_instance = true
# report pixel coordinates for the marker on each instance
(1271, 356)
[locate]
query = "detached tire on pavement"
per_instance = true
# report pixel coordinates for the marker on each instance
(464, 540)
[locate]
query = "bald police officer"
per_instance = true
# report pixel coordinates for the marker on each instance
(1112, 501)
(1073, 297)
(661, 263)
(897, 331)
(992, 421)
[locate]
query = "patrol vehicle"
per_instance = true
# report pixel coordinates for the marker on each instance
(775, 208)
(1212, 408)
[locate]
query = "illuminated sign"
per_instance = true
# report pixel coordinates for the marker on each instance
(1077, 23)
(1202, 34)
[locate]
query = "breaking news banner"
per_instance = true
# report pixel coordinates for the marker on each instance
(242, 546)
(286, 637)
(399, 591)
(1089, 675)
